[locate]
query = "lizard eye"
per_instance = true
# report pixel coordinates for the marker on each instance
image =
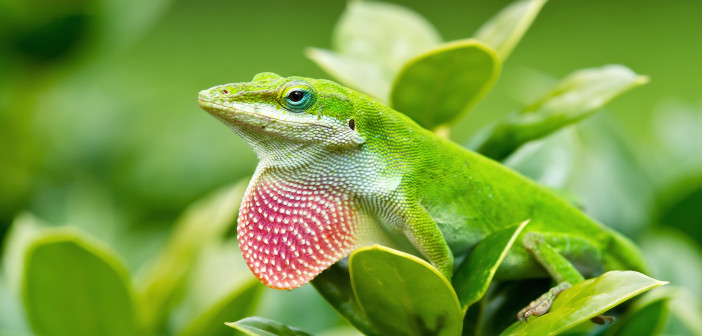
(295, 96)
(298, 99)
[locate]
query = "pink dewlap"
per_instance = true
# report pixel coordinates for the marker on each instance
(289, 233)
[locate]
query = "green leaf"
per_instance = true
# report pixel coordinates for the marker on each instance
(356, 73)
(676, 258)
(593, 161)
(679, 197)
(648, 315)
(236, 305)
(24, 230)
(645, 320)
(550, 161)
(625, 195)
(259, 326)
(503, 31)
(676, 128)
(584, 301)
(213, 282)
(503, 301)
(72, 286)
(203, 222)
(574, 98)
(372, 40)
(402, 294)
(685, 309)
(473, 276)
(13, 320)
(440, 86)
(383, 33)
(334, 285)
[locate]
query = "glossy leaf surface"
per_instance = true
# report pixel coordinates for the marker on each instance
(372, 40)
(504, 30)
(73, 286)
(576, 97)
(334, 284)
(383, 33)
(236, 305)
(402, 294)
(644, 320)
(584, 301)
(24, 230)
(473, 276)
(440, 86)
(202, 223)
(356, 73)
(259, 326)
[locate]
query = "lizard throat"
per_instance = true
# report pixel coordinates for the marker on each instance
(290, 232)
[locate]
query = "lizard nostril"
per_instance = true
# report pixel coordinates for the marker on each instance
(352, 124)
(225, 91)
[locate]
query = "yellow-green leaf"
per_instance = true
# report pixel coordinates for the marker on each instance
(383, 33)
(584, 301)
(440, 86)
(334, 285)
(24, 230)
(73, 286)
(259, 326)
(236, 305)
(574, 98)
(353, 72)
(472, 278)
(642, 320)
(204, 222)
(402, 294)
(372, 40)
(503, 31)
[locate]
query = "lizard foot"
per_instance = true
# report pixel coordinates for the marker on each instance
(542, 305)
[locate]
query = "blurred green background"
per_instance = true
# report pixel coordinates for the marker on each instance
(100, 128)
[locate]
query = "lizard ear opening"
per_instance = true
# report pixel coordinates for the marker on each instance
(352, 124)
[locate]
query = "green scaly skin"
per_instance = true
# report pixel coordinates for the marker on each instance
(339, 170)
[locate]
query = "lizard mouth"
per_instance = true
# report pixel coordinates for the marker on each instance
(249, 115)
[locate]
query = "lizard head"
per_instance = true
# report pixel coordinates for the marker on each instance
(284, 114)
(294, 224)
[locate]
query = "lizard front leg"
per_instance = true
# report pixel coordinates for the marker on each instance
(557, 266)
(421, 230)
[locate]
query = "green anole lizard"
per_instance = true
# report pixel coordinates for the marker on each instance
(339, 170)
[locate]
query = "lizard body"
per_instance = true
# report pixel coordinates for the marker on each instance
(339, 170)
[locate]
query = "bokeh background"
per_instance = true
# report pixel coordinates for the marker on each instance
(100, 128)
